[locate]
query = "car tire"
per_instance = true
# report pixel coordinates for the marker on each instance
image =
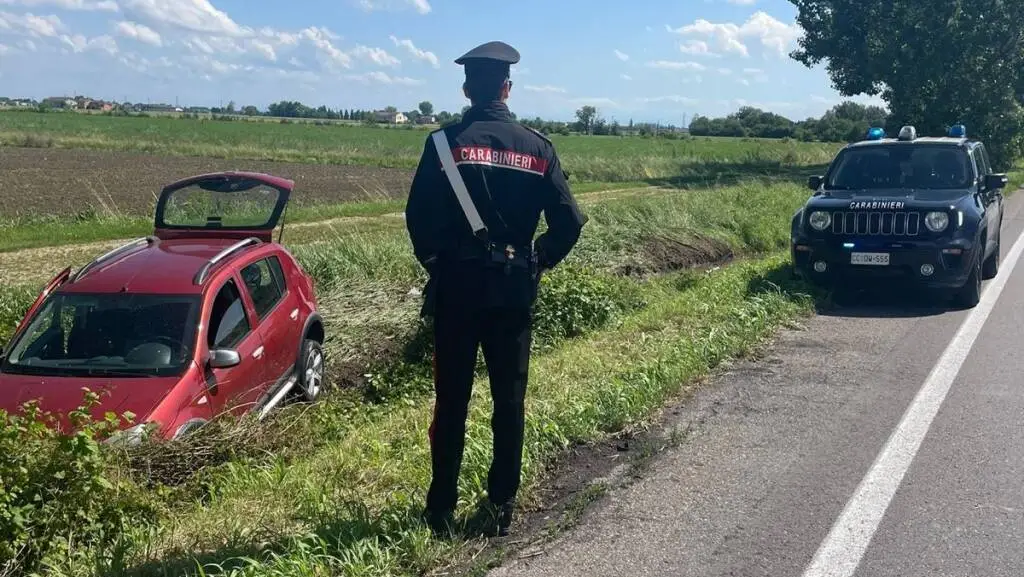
(991, 268)
(970, 294)
(310, 371)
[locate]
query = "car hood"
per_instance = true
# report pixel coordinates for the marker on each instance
(917, 197)
(61, 395)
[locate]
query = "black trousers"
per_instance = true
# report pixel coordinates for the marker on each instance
(504, 333)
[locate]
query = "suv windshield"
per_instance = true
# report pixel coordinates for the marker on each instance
(882, 166)
(117, 335)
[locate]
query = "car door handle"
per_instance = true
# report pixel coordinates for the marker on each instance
(257, 353)
(295, 315)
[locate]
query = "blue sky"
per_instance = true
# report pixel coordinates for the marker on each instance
(645, 60)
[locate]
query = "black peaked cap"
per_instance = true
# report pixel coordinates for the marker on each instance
(495, 52)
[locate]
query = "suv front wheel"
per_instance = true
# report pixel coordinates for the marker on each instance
(970, 294)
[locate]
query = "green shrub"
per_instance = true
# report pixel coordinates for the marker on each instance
(576, 299)
(57, 494)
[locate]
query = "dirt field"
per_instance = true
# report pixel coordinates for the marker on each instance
(61, 181)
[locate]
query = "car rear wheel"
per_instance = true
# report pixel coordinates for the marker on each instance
(311, 371)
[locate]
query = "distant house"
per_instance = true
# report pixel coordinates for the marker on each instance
(390, 117)
(426, 119)
(60, 102)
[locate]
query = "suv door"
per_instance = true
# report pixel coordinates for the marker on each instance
(277, 314)
(992, 199)
(230, 326)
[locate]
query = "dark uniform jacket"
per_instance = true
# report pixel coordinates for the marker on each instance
(513, 175)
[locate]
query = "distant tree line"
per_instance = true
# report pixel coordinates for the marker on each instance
(846, 122)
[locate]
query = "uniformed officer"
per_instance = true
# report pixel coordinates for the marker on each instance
(472, 213)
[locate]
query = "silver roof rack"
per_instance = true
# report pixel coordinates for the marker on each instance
(204, 272)
(110, 255)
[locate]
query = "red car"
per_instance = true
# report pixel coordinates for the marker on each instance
(208, 315)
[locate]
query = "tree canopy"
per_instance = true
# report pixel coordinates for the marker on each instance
(935, 63)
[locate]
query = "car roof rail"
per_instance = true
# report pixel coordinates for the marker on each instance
(146, 240)
(204, 272)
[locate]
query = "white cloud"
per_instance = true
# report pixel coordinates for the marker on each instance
(4, 49)
(320, 37)
(416, 53)
(545, 88)
(139, 32)
(727, 36)
(79, 43)
(37, 26)
(193, 15)
(85, 5)
(421, 6)
(671, 98)
(621, 55)
(743, 2)
(626, 77)
(675, 65)
(378, 56)
(378, 77)
(264, 49)
(29, 45)
(696, 48)
(725, 71)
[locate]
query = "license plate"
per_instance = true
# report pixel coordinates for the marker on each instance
(870, 258)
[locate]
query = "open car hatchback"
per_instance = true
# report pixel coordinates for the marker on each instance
(206, 316)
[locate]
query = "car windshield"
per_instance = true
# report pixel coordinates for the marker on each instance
(893, 166)
(117, 335)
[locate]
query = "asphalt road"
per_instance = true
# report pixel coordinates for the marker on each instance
(885, 439)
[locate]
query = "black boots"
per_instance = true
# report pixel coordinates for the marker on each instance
(442, 523)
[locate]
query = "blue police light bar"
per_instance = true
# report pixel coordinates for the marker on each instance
(876, 133)
(958, 131)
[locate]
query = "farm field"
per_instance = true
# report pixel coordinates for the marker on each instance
(682, 267)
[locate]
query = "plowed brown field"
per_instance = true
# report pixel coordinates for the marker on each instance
(63, 181)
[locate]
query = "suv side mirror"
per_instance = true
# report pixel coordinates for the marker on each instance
(814, 182)
(224, 358)
(996, 181)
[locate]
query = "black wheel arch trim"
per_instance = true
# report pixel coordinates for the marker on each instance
(312, 320)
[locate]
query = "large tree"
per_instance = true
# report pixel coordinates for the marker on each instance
(934, 62)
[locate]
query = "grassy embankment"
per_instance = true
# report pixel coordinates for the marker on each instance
(594, 163)
(334, 488)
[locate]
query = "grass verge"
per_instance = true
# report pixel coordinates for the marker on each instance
(349, 507)
(615, 337)
(48, 230)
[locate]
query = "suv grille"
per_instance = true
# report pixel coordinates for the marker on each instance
(876, 223)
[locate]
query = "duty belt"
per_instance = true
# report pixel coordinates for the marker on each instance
(506, 255)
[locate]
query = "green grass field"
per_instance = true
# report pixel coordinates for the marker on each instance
(589, 159)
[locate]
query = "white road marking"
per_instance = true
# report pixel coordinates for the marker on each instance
(841, 552)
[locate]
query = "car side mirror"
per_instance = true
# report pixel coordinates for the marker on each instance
(814, 182)
(224, 358)
(996, 181)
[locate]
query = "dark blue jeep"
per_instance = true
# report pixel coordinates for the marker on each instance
(925, 210)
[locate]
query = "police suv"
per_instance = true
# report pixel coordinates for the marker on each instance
(927, 210)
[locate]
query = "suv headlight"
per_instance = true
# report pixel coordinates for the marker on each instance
(936, 221)
(820, 220)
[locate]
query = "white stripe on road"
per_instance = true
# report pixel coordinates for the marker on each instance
(843, 548)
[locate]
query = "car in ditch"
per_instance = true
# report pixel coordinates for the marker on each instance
(206, 316)
(920, 210)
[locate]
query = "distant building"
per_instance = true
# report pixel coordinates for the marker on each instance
(390, 117)
(426, 119)
(60, 102)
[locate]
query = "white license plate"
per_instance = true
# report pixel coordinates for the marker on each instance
(871, 258)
